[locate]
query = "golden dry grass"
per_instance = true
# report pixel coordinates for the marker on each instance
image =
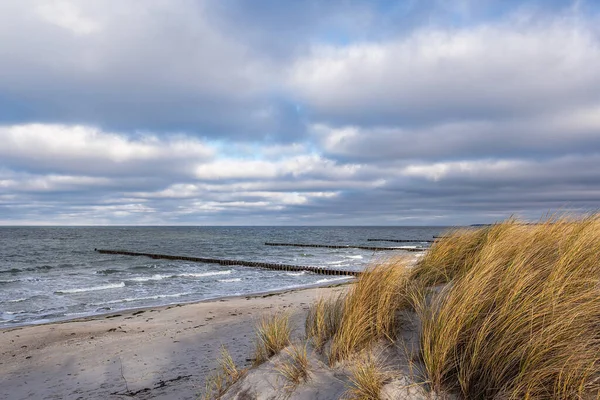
(228, 373)
(521, 318)
(323, 320)
(295, 368)
(370, 310)
(367, 376)
(456, 253)
(272, 335)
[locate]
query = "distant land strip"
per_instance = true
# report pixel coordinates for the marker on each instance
(257, 264)
(401, 240)
(330, 246)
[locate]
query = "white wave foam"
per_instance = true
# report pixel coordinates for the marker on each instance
(93, 288)
(130, 299)
(17, 300)
(9, 280)
(230, 280)
(296, 273)
(332, 279)
(203, 274)
(336, 262)
(156, 277)
(357, 257)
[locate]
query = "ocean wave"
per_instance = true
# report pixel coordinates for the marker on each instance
(335, 262)
(30, 269)
(156, 277)
(107, 271)
(357, 257)
(91, 289)
(17, 300)
(130, 299)
(9, 280)
(230, 280)
(332, 279)
(14, 312)
(24, 312)
(203, 274)
(296, 273)
(11, 271)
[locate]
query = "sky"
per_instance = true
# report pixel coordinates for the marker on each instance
(272, 112)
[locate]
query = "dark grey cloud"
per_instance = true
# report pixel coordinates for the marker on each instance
(161, 66)
(342, 112)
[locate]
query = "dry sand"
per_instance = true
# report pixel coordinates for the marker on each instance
(155, 353)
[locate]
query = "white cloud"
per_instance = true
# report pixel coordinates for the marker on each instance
(435, 74)
(87, 150)
(438, 171)
(299, 166)
(67, 15)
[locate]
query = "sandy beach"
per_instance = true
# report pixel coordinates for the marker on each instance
(158, 353)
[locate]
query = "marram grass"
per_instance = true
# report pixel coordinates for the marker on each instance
(228, 373)
(509, 311)
(522, 320)
(370, 310)
(323, 320)
(367, 377)
(295, 367)
(273, 334)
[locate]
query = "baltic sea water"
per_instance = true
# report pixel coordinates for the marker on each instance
(53, 273)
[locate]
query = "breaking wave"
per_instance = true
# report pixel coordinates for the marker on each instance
(91, 289)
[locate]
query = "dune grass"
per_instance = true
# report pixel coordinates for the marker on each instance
(323, 320)
(521, 317)
(456, 253)
(273, 334)
(295, 368)
(508, 311)
(370, 309)
(227, 374)
(367, 377)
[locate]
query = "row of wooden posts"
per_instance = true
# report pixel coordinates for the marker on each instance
(334, 246)
(272, 266)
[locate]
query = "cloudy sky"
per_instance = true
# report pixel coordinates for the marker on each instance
(271, 112)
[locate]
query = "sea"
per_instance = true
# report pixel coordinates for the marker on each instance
(53, 273)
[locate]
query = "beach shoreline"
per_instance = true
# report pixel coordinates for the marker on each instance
(154, 352)
(97, 315)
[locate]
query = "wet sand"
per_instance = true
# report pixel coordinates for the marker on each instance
(154, 353)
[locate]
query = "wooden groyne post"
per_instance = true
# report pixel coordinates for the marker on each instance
(332, 246)
(273, 266)
(401, 240)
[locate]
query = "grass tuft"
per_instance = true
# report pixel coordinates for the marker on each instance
(295, 368)
(272, 335)
(370, 309)
(227, 374)
(367, 377)
(323, 320)
(520, 318)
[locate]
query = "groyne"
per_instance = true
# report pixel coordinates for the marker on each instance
(401, 240)
(332, 246)
(256, 264)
